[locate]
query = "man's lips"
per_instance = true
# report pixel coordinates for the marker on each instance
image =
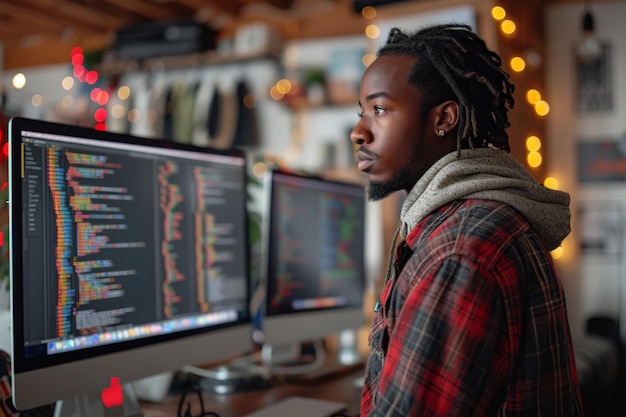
(364, 160)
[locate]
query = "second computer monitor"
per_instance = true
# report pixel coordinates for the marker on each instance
(315, 249)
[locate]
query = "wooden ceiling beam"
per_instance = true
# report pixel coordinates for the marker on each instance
(88, 15)
(49, 18)
(146, 9)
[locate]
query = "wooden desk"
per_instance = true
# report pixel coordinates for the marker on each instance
(336, 387)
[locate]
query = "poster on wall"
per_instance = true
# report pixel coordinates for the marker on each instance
(602, 161)
(593, 82)
(601, 228)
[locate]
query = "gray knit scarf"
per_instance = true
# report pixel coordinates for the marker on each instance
(489, 174)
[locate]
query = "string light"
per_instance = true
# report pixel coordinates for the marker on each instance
(557, 253)
(372, 31)
(18, 81)
(90, 77)
(123, 92)
(368, 12)
(551, 183)
(498, 12)
(533, 143)
(508, 27)
(533, 96)
(517, 64)
(542, 108)
(534, 159)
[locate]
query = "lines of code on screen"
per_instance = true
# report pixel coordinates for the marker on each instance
(316, 245)
(116, 239)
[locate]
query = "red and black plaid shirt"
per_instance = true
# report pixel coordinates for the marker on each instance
(475, 324)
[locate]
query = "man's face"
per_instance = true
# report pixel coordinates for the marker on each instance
(396, 144)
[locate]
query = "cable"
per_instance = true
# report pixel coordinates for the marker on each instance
(195, 388)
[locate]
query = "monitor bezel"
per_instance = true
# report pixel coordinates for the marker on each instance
(307, 325)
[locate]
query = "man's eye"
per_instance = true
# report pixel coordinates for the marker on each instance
(379, 110)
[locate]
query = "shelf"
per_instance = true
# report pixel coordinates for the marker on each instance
(118, 66)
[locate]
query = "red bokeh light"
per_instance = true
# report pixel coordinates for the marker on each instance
(78, 59)
(91, 77)
(93, 95)
(100, 115)
(101, 126)
(79, 71)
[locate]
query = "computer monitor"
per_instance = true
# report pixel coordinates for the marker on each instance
(129, 258)
(314, 276)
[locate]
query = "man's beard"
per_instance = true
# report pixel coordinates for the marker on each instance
(400, 181)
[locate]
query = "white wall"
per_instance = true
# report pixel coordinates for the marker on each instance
(595, 285)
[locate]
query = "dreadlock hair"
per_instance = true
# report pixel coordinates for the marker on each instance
(453, 63)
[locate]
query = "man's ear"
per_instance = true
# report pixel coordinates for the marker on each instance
(446, 117)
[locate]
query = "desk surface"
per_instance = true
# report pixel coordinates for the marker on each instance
(334, 387)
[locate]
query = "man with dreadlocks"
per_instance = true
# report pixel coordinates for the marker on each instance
(472, 318)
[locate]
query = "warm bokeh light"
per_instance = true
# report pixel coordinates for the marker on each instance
(259, 169)
(368, 59)
(557, 253)
(67, 83)
(508, 27)
(18, 81)
(534, 159)
(533, 96)
(368, 12)
(5, 152)
(117, 111)
(123, 92)
(275, 94)
(551, 183)
(36, 100)
(283, 86)
(498, 12)
(68, 102)
(76, 50)
(542, 108)
(372, 31)
(533, 143)
(518, 64)
(134, 115)
(249, 101)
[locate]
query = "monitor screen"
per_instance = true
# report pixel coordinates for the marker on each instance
(315, 250)
(129, 258)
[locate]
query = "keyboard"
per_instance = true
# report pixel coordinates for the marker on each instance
(300, 407)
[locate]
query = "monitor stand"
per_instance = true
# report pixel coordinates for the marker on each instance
(91, 405)
(289, 360)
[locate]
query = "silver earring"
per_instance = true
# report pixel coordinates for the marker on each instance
(441, 132)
